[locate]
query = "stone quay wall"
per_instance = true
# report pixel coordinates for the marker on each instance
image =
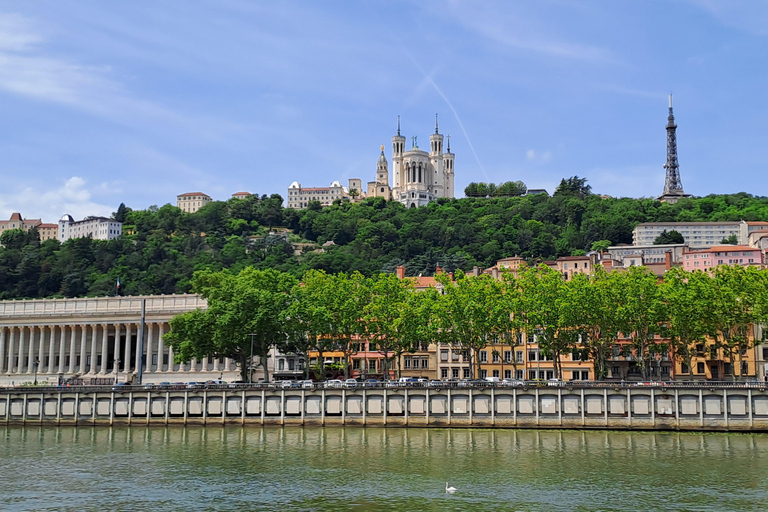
(742, 408)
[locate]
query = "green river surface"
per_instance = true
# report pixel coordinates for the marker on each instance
(353, 468)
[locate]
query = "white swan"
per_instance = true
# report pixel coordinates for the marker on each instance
(449, 490)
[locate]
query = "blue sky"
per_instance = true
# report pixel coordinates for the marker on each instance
(136, 102)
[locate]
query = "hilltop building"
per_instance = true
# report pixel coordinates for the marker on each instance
(299, 198)
(192, 201)
(46, 231)
(241, 195)
(98, 228)
(421, 177)
(418, 177)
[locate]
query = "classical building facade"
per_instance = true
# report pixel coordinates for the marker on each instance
(97, 340)
(98, 228)
(190, 202)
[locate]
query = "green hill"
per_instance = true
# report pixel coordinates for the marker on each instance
(163, 246)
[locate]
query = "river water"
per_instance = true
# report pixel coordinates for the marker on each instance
(372, 469)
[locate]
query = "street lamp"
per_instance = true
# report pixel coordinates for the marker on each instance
(36, 363)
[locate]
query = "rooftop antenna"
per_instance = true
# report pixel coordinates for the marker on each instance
(398, 126)
(435, 124)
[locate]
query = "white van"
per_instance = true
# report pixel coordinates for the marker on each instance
(494, 380)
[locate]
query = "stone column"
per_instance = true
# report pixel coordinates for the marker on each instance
(137, 356)
(92, 367)
(227, 363)
(83, 348)
(161, 350)
(2, 349)
(127, 355)
(22, 347)
(205, 364)
(63, 348)
(12, 350)
(104, 349)
(150, 341)
(116, 351)
(40, 349)
(51, 350)
(215, 364)
(72, 348)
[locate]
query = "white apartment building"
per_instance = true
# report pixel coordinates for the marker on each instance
(192, 201)
(299, 198)
(98, 228)
(697, 235)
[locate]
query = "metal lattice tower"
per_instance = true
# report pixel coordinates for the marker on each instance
(672, 185)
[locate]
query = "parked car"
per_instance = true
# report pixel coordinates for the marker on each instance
(333, 383)
(372, 383)
(194, 385)
(435, 383)
(120, 386)
(350, 383)
(554, 382)
(286, 383)
(463, 383)
(307, 384)
(513, 382)
(493, 380)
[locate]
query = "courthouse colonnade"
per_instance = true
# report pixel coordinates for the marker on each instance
(97, 338)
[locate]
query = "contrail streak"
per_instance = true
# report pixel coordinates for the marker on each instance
(450, 105)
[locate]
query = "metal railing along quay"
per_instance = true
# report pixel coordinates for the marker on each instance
(475, 385)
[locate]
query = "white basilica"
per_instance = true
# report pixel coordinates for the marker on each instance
(419, 177)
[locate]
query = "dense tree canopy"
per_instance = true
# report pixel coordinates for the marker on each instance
(162, 247)
(632, 311)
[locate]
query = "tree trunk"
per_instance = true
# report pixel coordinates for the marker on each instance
(244, 368)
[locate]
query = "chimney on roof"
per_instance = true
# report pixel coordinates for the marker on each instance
(400, 272)
(476, 271)
(495, 272)
(668, 260)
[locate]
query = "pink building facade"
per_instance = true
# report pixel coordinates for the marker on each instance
(705, 259)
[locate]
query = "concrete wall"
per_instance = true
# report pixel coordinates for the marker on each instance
(738, 409)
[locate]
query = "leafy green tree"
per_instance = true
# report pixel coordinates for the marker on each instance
(688, 301)
(640, 312)
(590, 307)
(731, 240)
(470, 312)
(669, 237)
(244, 310)
(573, 186)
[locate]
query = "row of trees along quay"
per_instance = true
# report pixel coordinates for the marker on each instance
(635, 310)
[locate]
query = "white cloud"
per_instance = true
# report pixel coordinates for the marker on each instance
(71, 196)
(542, 158)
